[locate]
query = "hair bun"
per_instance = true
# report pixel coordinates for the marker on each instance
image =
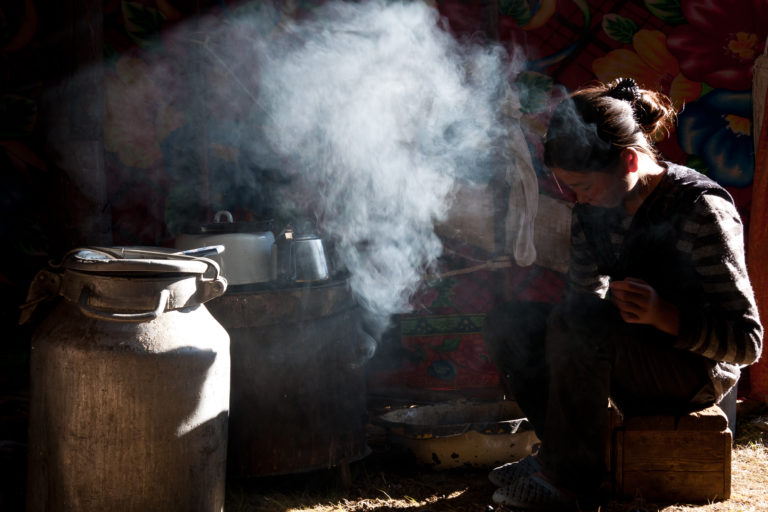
(625, 89)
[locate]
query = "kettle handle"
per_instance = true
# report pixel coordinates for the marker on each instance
(284, 258)
(122, 317)
(223, 213)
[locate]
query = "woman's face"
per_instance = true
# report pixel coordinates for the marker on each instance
(602, 189)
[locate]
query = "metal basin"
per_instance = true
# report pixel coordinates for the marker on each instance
(462, 434)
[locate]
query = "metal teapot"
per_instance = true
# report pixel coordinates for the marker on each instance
(299, 258)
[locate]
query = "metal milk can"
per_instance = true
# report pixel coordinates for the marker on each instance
(129, 391)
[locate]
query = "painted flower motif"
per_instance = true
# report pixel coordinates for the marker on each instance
(651, 65)
(718, 129)
(137, 116)
(720, 41)
(443, 370)
(473, 355)
(528, 15)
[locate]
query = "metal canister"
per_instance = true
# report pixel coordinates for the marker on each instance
(129, 385)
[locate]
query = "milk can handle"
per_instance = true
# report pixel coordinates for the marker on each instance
(122, 317)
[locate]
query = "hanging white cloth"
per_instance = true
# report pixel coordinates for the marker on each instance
(524, 187)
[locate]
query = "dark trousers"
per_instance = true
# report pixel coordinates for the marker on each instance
(562, 363)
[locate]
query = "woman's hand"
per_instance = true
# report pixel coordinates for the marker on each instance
(639, 303)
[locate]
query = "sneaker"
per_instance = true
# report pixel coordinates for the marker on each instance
(506, 475)
(535, 492)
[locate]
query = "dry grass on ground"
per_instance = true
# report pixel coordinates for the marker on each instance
(387, 481)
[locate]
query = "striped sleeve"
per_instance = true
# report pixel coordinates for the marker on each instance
(583, 275)
(728, 327)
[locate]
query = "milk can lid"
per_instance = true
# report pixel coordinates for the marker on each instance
(135, 260)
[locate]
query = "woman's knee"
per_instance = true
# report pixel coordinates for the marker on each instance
(514, 332)
(581, 326)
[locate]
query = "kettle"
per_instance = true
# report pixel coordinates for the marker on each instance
(299, 258)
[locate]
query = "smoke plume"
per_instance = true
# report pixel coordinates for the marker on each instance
(372, 110)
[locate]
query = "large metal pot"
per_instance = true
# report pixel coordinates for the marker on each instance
(247, 256)
(298, 379)
(130, 379)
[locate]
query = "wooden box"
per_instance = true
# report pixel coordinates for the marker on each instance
(681, 459)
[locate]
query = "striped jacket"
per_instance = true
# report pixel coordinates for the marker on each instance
(686, 241)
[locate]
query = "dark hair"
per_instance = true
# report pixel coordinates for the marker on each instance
(589, 129)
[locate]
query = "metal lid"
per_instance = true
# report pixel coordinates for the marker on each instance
(231, 227)
(135, 260)
(224, 223)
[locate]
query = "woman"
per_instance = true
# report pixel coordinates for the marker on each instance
(658, 313)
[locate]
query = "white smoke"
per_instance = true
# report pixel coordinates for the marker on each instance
(376, 109)
(373, 110)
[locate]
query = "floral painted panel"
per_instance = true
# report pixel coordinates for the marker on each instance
(439, 353)
(700, 52)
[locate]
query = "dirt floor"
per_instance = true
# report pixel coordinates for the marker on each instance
(388, 480)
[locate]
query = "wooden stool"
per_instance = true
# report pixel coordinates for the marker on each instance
(680, 459)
